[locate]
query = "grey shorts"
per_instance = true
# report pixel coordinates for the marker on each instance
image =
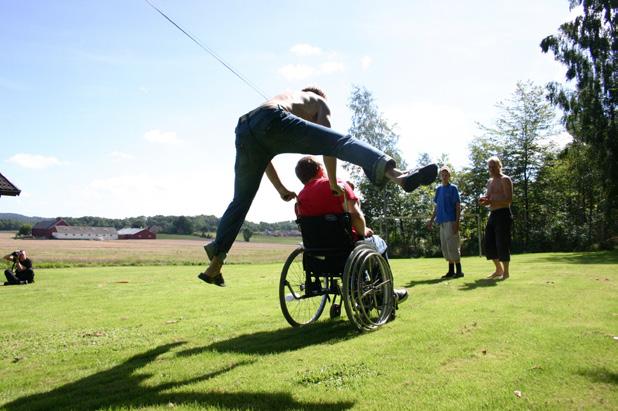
(449, 241)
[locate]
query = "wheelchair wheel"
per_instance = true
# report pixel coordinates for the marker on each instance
(367, 289)
(297, 307)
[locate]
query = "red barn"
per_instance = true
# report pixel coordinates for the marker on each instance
(136, 234)
(45, 228)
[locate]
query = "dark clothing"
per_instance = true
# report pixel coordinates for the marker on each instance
(498, 235)
(27, 274)
(266, 132)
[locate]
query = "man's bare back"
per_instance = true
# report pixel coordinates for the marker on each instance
(304, 104)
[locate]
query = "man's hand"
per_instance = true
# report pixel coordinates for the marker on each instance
(286, 195)
(368, 232)
(337, 189)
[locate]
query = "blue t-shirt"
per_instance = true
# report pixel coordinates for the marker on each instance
(446, 198)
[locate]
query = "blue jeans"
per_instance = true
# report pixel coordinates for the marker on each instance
(266, 132)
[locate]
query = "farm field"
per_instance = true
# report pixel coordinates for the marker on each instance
(154, 337)
(171, 251)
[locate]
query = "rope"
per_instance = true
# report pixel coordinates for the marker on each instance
(209, 51)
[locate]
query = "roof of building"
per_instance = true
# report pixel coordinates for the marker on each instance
(86, 230)
(7, 188)
(130, 231)
(46, 224)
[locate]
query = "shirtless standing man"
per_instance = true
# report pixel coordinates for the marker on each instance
(498, 198)
(294, 122)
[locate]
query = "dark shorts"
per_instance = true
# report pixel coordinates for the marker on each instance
(498, 235)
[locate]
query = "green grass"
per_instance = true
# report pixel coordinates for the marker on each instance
(157, 338)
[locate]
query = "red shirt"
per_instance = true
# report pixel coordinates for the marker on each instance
(316, 198)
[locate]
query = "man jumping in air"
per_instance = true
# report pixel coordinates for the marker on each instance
(295, 122)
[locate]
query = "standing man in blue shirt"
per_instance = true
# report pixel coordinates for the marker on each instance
(446, 213)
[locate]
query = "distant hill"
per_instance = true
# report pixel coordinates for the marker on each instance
(21, 218)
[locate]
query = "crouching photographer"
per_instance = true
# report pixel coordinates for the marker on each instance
(22, 272)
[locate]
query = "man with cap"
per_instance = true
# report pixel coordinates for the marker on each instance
(446, 213)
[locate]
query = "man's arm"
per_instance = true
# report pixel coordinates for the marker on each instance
(330, 163)
(323, 113)
(272, 175)
(8, 257)
(457, 216)
(358, 220)
(432, 218)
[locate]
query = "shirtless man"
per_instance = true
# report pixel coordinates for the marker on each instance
(294, 122)
(498, 198)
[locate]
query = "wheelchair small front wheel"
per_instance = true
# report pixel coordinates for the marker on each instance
(297, 307)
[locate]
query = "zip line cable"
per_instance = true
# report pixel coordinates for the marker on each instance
(209, 51)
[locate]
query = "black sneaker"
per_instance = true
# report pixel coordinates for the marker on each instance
(421, 177)
(458, 275)
(448, 276)
(401, 294)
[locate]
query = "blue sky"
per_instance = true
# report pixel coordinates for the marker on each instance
(107, 109)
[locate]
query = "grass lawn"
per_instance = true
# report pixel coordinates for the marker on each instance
(157, 338)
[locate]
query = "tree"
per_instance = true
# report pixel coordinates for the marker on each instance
(587, 46)
(525, 121)
(247, 233)
(25, 230)
(182, 225)
(369, 126)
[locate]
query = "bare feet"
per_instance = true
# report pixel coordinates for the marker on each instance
(494, 276)
(503, 276)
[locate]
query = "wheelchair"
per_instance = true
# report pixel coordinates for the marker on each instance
(329, 265)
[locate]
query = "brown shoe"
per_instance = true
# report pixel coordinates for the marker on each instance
(216, 280)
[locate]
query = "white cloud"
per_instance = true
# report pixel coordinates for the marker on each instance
(330, 67)
(296, 71)
(164, 137)
(304, 49)
(302, 71)
(34, 161)
(119, 156)
(366, 62)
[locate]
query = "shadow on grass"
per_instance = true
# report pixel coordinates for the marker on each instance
(483, 282)
(601, 376)
(282, 340)
(123, 386)
(599, 257)
(414, 283)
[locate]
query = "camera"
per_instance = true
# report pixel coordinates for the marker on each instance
(16, 253)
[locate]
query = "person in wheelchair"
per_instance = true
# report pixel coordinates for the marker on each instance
(317, 199)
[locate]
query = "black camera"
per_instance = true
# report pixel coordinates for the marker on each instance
(16, 253)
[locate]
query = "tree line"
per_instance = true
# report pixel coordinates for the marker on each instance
(202, 225)
(565, 198)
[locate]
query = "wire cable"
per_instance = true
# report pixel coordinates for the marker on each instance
(209, 51)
